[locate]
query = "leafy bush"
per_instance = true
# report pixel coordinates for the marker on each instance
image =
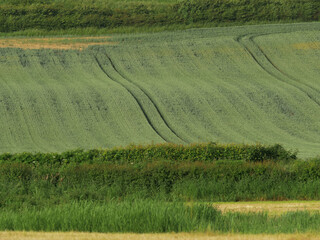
(25, 184)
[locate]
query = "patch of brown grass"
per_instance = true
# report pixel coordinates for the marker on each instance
(271, 207)
(61, 43)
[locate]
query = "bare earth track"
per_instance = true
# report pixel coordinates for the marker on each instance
(167, 236)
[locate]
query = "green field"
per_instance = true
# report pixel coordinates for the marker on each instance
(162, 119)
(238, 84)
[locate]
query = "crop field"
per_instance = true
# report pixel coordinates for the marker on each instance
(238, 84)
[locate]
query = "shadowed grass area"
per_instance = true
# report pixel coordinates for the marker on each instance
(61, 15)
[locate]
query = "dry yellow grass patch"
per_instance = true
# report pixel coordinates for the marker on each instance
(62, 43)
(307, 46)
(129, 236)
(271, 207)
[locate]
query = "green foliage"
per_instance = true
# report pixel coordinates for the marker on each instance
(134, 154)
(24, 185)
(51, 15)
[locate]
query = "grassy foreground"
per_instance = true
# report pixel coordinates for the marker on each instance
(153, 194)
(149, 216)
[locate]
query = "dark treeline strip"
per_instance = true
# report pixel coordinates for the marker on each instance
(150, 216)
(69, 15)
(133, 154)
(24, 185)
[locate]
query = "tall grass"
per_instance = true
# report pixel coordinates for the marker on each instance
(136, 216)
(150, 216)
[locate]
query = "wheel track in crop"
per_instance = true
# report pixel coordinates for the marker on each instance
(132, 88)
(150, 99)
(261, 58)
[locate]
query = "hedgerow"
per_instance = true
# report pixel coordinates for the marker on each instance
(133, 154)
(25, 184)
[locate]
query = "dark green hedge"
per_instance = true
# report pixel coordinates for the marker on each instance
(161, 172)
(24, 185)
(54, 16)
(133, 154)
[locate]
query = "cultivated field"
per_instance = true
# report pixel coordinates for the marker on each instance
(240, 84)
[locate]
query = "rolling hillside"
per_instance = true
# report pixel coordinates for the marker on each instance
(238, 84)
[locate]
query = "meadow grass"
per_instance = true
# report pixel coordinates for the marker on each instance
(149, 216)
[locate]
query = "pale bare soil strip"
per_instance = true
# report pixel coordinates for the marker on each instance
(166, 236)
(271, 207)
(60, 43)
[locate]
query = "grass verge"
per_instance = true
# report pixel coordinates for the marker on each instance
(156, 217)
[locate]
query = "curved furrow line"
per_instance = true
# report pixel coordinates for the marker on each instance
(135, 98)
(284, 73)
(250, 52)
(275, 72)
(148, 97)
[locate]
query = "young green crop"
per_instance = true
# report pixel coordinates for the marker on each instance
(239, 84)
